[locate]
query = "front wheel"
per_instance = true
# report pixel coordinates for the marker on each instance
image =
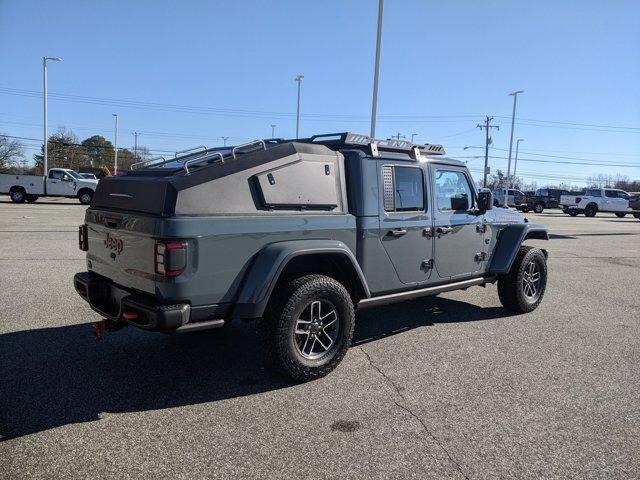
(621, 214)
(85, 197)
(307, 327)
(521, 290)
(573, 213)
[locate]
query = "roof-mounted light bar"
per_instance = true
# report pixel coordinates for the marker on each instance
(391, 144)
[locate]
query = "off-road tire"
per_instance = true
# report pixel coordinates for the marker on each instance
(31, 198)
(18, 195)
(590, 211)
(637, 215)
(85, 197)
(538, 208)
(276, 327)
(620, 214)
(573, 213)
(511, 286)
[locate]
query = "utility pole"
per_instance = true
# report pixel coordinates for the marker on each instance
(376, 70)
(513, 121)
(487, 126)
(299, 81)
(135, 145)
(224, 141)
(273, 130)
(115, 159)
(413, 135)
(515, 165)
(45, 165)
(398, 136)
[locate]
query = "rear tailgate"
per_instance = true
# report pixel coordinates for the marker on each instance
(121, 248)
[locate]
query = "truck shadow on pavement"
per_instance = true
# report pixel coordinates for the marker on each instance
(59, 376)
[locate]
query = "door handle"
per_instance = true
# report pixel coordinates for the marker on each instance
(397, 232)
(443, 230)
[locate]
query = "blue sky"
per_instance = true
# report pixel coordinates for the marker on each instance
(202, 70)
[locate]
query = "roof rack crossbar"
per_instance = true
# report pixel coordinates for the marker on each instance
(190, 151)
(248, 144)
(148, 162)
(200, 159)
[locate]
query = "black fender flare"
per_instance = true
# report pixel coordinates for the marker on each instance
(509, 241)
(269, 263)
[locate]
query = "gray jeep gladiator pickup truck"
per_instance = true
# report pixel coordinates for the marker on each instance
(297, 234)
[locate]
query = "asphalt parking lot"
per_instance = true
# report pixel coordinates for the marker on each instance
(452, 386)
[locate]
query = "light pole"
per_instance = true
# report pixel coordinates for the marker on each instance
(413, 135)
(273, 130)
(135, 145)
(515, 163)
(224, 141)
(46, 134)
(299, 81)
(115, 157)
(513, 121)
(376, 70)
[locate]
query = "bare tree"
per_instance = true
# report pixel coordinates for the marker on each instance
(11, 153)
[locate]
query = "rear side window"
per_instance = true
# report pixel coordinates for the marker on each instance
(593, 193)
(453, 191)
(403, 189)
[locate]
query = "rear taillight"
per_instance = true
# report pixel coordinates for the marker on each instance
(578, 199)
(171, 258)
(83, 238)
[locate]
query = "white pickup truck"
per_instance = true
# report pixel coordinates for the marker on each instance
(596, 200)
(60, 182)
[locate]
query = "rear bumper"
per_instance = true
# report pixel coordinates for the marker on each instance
(120, 305)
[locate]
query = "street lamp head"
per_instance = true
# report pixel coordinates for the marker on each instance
(516, 93)
(114, 114)
(521, 140)
(299, 78)
(53, 59)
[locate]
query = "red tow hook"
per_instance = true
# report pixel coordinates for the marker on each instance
(98, 328)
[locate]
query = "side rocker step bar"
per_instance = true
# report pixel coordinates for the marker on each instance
(423, 292)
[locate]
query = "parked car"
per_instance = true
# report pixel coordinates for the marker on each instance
(545, 198)
(515, 198)
(298, 234)
(596, 200)
(634, 203)
(60, 182)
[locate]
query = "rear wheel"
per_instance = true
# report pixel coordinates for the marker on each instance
(521, 290)
(538, 208)
(590, 211)
(637, 215)
(621, 214)
(573, 213)
(17, 195)
(307, 327)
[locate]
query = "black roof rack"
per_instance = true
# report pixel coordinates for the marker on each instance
(360, 140)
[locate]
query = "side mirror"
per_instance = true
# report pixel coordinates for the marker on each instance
(66, 178)
(485, 200)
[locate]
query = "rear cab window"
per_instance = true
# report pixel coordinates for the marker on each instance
(403, 189)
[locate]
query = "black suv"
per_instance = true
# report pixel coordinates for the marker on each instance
(545, 198)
